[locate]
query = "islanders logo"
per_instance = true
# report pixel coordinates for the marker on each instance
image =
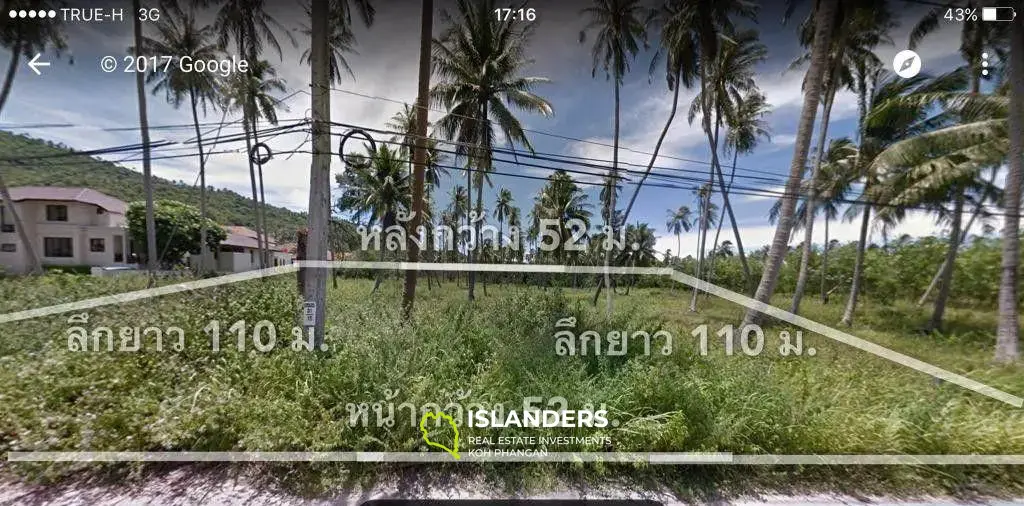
(454, 451)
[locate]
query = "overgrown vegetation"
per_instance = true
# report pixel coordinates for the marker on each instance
(496, 350)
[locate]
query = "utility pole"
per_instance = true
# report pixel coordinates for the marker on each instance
(419, 158)
(147, 176)
(320, 174)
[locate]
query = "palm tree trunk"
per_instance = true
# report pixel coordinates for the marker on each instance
(263, 199)
(812, 194)
(657, 148)
(705, 194)
(147, 175)
(862, 107)
(963, 237)
(732, 217)
(824, 263)
(721, 215)
(252, 181)
(204, 251)
(612, 186)
(858, 267)
(479, 221)
(812, 94)
(12, 69)
(419, 158)
(1007, 338)
(705, 200)
(950, 263)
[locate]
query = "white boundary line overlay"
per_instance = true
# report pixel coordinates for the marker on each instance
(743, 300)
(654, 458)
(678, 458)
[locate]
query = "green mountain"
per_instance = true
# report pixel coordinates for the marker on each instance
(66, 168)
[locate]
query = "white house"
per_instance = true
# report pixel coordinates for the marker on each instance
(83, 227)
(239, 252)
(67, 227)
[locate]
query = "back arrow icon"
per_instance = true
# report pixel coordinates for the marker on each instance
(34, 64)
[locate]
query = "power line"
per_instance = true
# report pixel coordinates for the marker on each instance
(697, 181)
(562, 137)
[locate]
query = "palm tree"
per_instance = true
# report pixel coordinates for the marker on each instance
(502, 208)
(643, 255)
(975, 39)
(515, 220)
(620, 35)
(478, 60)
(251, 27)
(730, 75)
(680, 220)
(341, 40)
(706, 215)
(562, 201)
(377, 187)
(1007, 339)
(745, 126)
(252, 93)
(27, 38)
(858, 29)
(680, 71)
(724, 250)
(458, 210)
(152, 256)
(824, 17)
(832, 189)
(897, 109)
(836, 176)
(181, 36)
(404, 124)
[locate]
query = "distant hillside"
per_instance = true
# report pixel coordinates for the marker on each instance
(224, 206)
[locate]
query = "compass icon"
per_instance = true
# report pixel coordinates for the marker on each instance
(907, 64)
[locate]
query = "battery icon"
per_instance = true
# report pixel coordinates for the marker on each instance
(998, 14)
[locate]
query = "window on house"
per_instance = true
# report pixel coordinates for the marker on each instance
(58, 247)
(8, 248)
(97, 245)
(4, 226)
(56, 213)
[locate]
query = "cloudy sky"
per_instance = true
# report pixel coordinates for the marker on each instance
(94, 108)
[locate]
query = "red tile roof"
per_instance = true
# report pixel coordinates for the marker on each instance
(61, 194)
(245, 237)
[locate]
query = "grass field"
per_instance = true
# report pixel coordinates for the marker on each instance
(499, 350)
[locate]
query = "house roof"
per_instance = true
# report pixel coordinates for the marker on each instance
(63, 194)
(245, 237)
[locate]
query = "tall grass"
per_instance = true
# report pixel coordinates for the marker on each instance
(496, 350)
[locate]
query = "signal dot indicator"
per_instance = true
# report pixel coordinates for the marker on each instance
(13, 13)
(31, 14)
(22, 14)
(53, 14)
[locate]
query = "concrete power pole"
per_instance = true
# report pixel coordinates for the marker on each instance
(419, 158)
(320, 174)
(147, 176)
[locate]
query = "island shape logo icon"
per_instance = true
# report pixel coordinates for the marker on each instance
(454, 451)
